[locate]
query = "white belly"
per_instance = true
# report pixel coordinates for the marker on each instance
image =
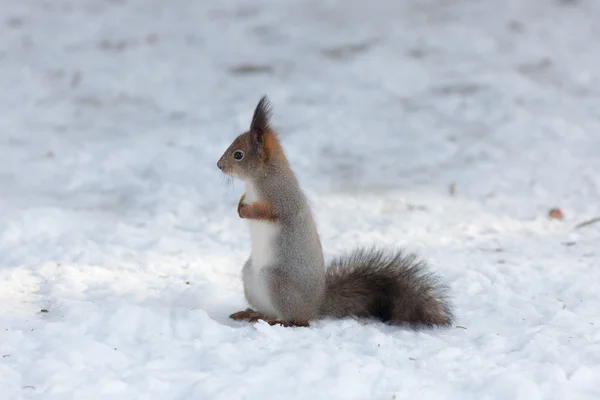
(263, 235)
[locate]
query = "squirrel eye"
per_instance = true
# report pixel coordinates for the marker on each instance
(238, 155)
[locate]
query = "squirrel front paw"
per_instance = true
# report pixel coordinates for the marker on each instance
(259, 210)
(241, 206)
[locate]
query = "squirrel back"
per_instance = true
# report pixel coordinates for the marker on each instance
(285, 279)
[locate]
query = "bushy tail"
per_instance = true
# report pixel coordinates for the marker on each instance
(394, 288)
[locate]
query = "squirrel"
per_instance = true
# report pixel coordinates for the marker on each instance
(285, 279)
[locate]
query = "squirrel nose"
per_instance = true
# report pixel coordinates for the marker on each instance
(220, 165)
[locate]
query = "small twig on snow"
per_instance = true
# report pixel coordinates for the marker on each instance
(586, 223)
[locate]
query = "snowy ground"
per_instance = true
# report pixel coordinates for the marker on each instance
(116, 221)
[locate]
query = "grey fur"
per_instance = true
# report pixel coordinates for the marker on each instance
(296, 282)
(394, 287)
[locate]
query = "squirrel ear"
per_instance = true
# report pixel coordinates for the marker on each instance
(260, 125)
(262, 116)
(257, 139)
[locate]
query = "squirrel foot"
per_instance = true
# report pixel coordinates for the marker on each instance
(287, 324)
(248, 315)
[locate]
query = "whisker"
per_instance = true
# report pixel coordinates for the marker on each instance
(228, 181)
(231, 183)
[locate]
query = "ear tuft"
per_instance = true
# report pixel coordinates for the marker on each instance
(261, 121)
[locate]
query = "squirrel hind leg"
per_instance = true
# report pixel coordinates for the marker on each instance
(295, 304)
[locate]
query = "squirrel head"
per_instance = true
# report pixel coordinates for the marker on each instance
(254, 151)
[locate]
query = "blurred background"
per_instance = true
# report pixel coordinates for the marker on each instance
(118, 110)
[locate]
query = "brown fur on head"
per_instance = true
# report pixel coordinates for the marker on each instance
(254, 150)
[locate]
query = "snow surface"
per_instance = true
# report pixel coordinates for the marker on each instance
(116, 220)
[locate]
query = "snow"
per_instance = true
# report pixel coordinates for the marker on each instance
(117, 222)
